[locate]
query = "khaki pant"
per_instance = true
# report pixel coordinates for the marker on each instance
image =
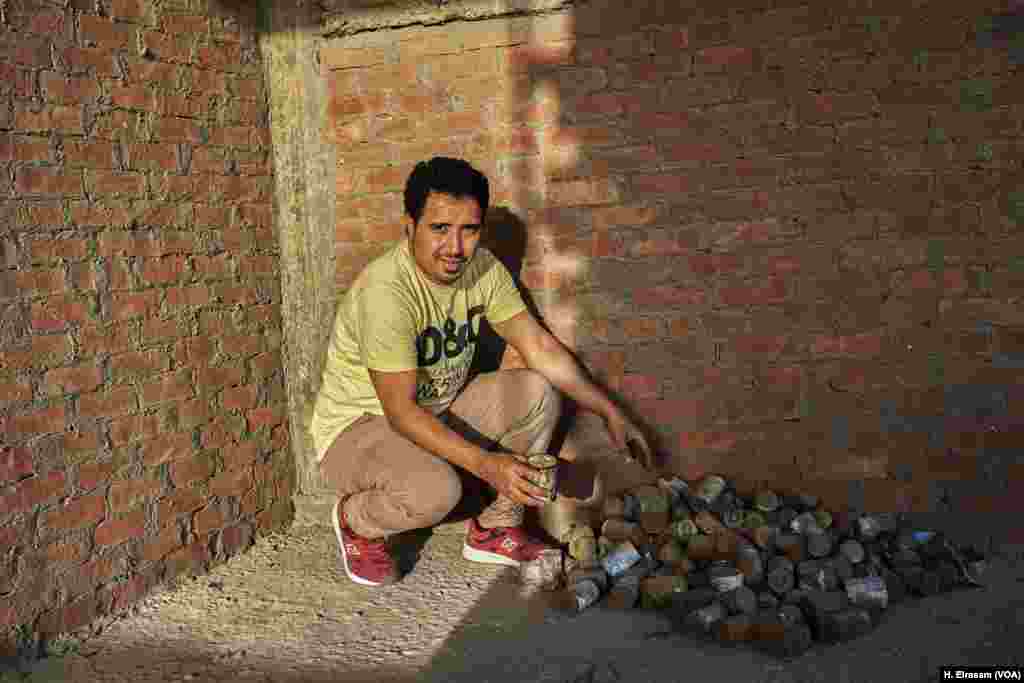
(393, 485)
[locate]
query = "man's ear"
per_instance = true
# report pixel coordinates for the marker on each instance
(409, 225)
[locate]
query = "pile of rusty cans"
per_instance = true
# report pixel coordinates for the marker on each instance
(776, 570)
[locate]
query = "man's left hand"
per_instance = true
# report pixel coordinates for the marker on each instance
(626, 435)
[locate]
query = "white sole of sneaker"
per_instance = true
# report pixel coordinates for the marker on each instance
(484, 557)
(341, 546)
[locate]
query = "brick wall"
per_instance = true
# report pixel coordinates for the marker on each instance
(142, 419)
(787, 235)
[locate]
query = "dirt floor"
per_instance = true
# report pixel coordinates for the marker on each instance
(285, 612)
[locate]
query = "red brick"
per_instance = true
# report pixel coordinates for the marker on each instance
(93, 474)
(124, 494)
(69, 618)
(24, 148)
(155, 156)
(32, 282)
(155, 330)
(115, 531)
(166, 447)
(236, 538)
(210, 518)
(196, 467)
(265, 364)
(772, 290)
(130, 305)
(662, 183)
(133, 428)
(108, 404)
(110, 183)
(635, 386)
(15, 463)
(240, 398)
(716, 441)
(134, 364)
(196, 295)
(30, 492)
(128, 10)
(177, 130)
(44, 351)
(44, 421)
(666, 296)
(104, 33)
(74, 90)
(49, 250)
(179, 502)
(97, 60)
(47, 181)
(163, 270)
(134, 96)
(158, 547)
(213, 267)
(124, 594)
(72, 380)
(193, 558)
(172, 387)
(232, 482)
(76, 513)
(15, 391)
(96, 339)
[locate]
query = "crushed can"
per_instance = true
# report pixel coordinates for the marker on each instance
(805, 523)
(618, 529)
(740, 600)
(819, 543)
(582, 544)
(656, 591)
(868, 592)
(823, 518)
(766, 600)
(766, 501)
(852, 551)
(708, 616)
(671, 552)
(749, 562)
(707, 522)
(790, 545)
(684, 529)
(780, 575)
(724, 577)
(709, 489)
(764, 536)
(622, 557)
(846, 624)
(752, 519)
(546, 476)
(654, 515)
(586, 593)
(624, 594)
(736, 629)
(544, 572)
(596, 575)
(733, 519)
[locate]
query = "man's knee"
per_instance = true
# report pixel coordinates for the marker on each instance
(543, 395)
(432, 497)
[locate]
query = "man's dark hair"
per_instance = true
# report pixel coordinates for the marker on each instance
(448, 176)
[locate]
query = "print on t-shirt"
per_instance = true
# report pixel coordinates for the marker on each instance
(443, 371)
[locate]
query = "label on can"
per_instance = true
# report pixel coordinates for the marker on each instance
(622, 557)
(710, 488)
(587, 593)
(869, 591)
(546, 476)
(725, 579)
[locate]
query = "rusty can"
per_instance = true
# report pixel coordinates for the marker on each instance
(622, 557)
(790, 545)
(671, 552)
(707, 522)
(656, 591)
(805, 523)
(654, 512)
(595, 574)
(737, 628)
(710, 488)
(724, 577)
(624, 594)
(546, 475)
(618, 529)
(868, 592)
(614, 506)
(868, 526)
(701, 548)
(784, 516)
(733, 519)
(586, 594)
(764, 536)
(749, 562)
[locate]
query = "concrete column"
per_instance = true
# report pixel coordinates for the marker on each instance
(304, 175)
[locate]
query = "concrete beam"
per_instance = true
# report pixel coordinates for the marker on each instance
(348, 17)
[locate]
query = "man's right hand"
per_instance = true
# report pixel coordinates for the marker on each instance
(509, 477)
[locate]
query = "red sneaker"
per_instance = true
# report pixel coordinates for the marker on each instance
(366, 561)
(508, 545)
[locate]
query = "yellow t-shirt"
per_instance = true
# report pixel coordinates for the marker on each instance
(393, 318)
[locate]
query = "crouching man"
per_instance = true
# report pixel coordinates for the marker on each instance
(390, 422)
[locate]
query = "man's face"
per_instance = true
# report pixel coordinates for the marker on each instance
(446, 237)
